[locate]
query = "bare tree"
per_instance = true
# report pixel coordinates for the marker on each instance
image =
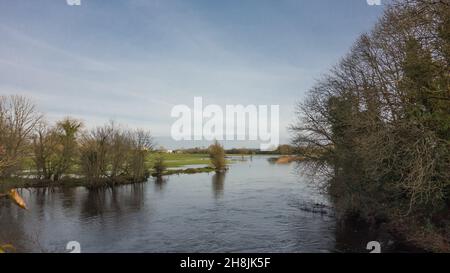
(112, 152)
(18, 118)
(142, 144)
(45, 143)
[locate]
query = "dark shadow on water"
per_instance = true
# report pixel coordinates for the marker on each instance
(160, 183)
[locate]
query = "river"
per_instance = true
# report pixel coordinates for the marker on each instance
(255, 207)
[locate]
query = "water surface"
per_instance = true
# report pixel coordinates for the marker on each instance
(255, 207)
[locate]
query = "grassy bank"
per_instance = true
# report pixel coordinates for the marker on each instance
(180, 160)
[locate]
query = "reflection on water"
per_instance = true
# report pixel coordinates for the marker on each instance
(254, 207)
(218, 181)
(160, 183)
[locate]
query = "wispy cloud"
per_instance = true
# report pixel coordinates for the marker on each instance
(60, 54)
(133, 61)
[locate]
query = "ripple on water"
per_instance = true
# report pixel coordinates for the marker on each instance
(255, 207)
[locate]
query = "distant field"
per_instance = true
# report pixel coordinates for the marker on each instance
(171, 160)
(180, 160)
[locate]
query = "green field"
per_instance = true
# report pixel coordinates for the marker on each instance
(171, 160)
(180, 160)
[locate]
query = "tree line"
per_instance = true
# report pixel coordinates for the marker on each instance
(28, 142)
(381, 121)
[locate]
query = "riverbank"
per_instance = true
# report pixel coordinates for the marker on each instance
(186, 171)
(20, 182)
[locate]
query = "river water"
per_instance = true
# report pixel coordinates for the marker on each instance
(255, 207)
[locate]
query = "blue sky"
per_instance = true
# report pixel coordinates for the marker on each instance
(131, 61)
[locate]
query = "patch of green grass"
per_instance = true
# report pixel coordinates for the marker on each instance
(180, 160)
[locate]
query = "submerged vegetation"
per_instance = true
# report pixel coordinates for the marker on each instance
(381, 123)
